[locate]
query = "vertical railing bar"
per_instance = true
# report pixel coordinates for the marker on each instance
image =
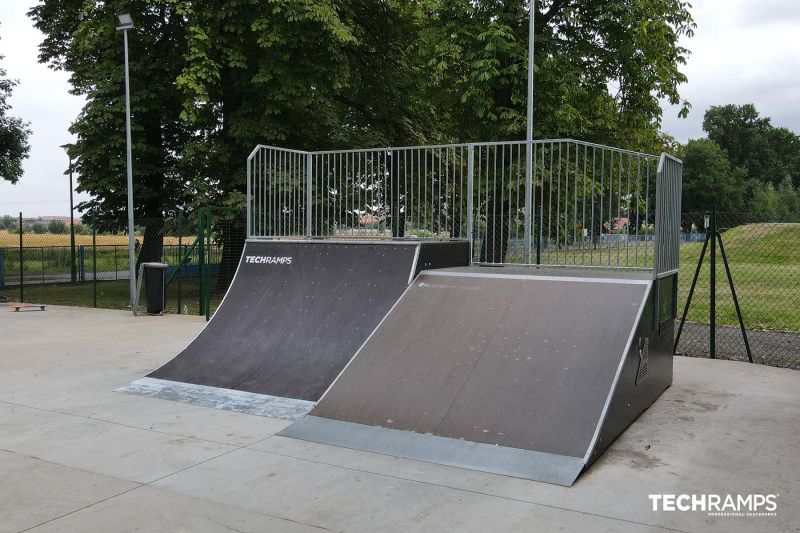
(309, 193)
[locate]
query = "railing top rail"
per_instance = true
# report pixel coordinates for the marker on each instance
(662, 160)
(457, 145)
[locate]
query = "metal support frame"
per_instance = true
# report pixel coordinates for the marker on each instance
(713, 236)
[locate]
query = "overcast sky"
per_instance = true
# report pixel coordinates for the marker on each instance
(743, 51)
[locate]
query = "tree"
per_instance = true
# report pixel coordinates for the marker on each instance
(14, 133)
(81, 38)
(7, 222)
(476, 54)
(57, 226)
(768, 154)
(709, 179)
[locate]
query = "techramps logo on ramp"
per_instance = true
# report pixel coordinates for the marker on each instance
(268, 260)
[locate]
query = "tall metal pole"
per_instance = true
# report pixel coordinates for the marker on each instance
(131, 237)
(72, 269)
(529, 137)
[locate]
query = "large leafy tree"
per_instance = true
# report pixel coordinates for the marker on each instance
(14, 133)
(709, 179)
(767, 153)
(80, 37)
(600, 67)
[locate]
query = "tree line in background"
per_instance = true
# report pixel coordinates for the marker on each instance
(745, 164)
(210, 79)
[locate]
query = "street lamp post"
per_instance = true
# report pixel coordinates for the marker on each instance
(125, 24)
(72, 269)
(529, 138)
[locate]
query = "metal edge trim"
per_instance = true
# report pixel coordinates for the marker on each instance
(414, 264)
(616, 281)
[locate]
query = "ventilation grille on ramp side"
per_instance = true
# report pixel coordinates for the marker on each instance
(644, 352)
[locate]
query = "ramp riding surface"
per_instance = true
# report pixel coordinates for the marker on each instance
(500, 370)
(295, 313)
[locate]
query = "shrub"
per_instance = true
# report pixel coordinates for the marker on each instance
(38, 228)
(57, 226)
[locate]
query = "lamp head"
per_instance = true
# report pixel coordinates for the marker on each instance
(125, 21)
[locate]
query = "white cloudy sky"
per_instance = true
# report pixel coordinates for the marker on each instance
(743, 51)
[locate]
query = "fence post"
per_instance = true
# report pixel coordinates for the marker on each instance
(201, 255)
(248, 208)
(82, 263)
(2, 268)
(180, 265)
(528, 198)
(209, 218)
(94, 266)
(712, 322)
(21, 263)
(309, 179)
(470, 197)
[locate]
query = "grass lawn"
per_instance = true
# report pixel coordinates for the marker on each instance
(11, 240)
(113, 295)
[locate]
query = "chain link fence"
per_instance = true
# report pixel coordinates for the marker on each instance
(763, 254)
(203, 251)
(42, 262)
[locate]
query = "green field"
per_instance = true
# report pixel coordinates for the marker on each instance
(764, 258)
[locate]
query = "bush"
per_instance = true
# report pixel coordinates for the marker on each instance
(38, 228)
(57, 226)
(8, 222)
(82, 229)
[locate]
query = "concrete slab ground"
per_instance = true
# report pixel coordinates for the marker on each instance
(76, 456)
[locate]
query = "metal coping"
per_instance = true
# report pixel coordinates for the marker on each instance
(365, 240)
(219, 398)
(514, 462)
(541, 277)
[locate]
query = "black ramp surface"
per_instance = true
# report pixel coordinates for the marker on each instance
(523, 363)
(287, 326)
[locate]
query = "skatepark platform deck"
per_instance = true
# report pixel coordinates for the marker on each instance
(77, 457)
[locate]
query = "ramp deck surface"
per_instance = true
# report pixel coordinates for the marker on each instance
(490, 357)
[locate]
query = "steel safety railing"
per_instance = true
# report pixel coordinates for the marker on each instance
(555, 202)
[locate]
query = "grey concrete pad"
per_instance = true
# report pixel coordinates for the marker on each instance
(101, 447)
(148, 509)
(723, 427)
(348, 500)
(35, 491)
(700, 437)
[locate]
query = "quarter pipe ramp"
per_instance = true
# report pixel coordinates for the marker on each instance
(294, 315)
(504, 370)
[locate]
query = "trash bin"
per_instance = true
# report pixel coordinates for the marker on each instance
(155, 277)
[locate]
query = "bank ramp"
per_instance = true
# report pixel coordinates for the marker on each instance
(513, 371)
(295, 314)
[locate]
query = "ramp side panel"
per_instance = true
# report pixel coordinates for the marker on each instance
(288, 328)
(638, 388)
(519, 363)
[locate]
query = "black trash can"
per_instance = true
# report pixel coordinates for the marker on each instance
(155, 277)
